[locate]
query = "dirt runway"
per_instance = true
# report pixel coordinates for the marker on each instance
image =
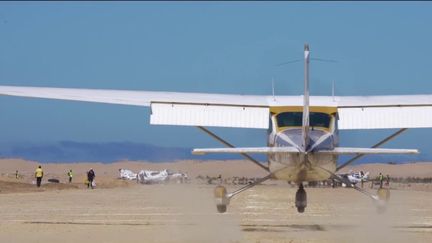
(186, 213)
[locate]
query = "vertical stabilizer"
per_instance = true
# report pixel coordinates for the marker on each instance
(305, 125)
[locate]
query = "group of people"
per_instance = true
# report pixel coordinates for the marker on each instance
(39, 175)
(381, 179)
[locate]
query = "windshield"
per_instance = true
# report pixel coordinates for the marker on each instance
(316, 119)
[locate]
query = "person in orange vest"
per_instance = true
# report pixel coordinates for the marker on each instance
(39, 174)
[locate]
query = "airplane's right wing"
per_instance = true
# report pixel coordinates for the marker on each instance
(252, 150)
(135, 97)
(168, 108)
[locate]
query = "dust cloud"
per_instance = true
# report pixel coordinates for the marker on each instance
(394, 224)
(197, 219)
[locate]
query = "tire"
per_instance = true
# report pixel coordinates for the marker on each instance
(300, 209)
(221, 208)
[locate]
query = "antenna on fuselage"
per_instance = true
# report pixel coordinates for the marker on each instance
(333, 90)
(273, 89)
(305, 125)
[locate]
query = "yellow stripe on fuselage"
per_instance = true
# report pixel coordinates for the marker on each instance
(323, 109)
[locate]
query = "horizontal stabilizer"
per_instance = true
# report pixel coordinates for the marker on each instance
(256, 150)
(342, 150)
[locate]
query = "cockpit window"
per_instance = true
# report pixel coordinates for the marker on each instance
(316, 119)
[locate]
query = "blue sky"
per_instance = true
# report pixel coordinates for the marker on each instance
(381, 48)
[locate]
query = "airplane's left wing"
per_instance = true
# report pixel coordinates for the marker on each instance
(343, 150)
(384, 112)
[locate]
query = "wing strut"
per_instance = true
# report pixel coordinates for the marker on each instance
(305, 125)
(375, 146)
(232, 146)
(349, 183)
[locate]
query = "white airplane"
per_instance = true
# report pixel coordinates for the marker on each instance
(355, 177)
(177, 176)
(303, 141)
(152, 177)
(127, 174)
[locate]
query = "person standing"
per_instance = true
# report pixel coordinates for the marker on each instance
(90, 177)
(39, 174)
(381, 178)
(70, 175)
(16, 174)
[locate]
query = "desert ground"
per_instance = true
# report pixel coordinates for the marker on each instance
(124, 211)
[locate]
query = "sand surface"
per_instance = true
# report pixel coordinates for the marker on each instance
(121, 211)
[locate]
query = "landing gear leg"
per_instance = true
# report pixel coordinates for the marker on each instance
(380, 200)
(301, 199)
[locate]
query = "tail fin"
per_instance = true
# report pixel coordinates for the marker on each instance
(305, 126)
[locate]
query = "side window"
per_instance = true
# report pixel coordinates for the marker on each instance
(270, 129)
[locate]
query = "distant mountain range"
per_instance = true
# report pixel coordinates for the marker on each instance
(70, 151)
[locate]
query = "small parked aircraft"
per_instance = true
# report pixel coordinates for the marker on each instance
(155, 177)
(152, 177)
(127, 174)
(303, 141)
(355, 177)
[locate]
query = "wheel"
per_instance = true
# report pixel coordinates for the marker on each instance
(221, 208)
(222, 201)
(300, 209)
(301, 199)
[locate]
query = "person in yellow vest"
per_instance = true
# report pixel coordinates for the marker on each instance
(39, 174)
(381, 178)
(70, 176)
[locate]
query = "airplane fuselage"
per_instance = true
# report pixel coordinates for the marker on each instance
(310, 166)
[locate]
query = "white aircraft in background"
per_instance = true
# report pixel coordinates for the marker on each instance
(154, 177)
(127, 174)
(355, 177)
(303, 141)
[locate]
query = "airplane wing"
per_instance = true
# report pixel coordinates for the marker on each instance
(384, 112)
(274, 150)
(248, 111)
(256, 150)
(137, 98)
(343, 150)
(168, 108)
